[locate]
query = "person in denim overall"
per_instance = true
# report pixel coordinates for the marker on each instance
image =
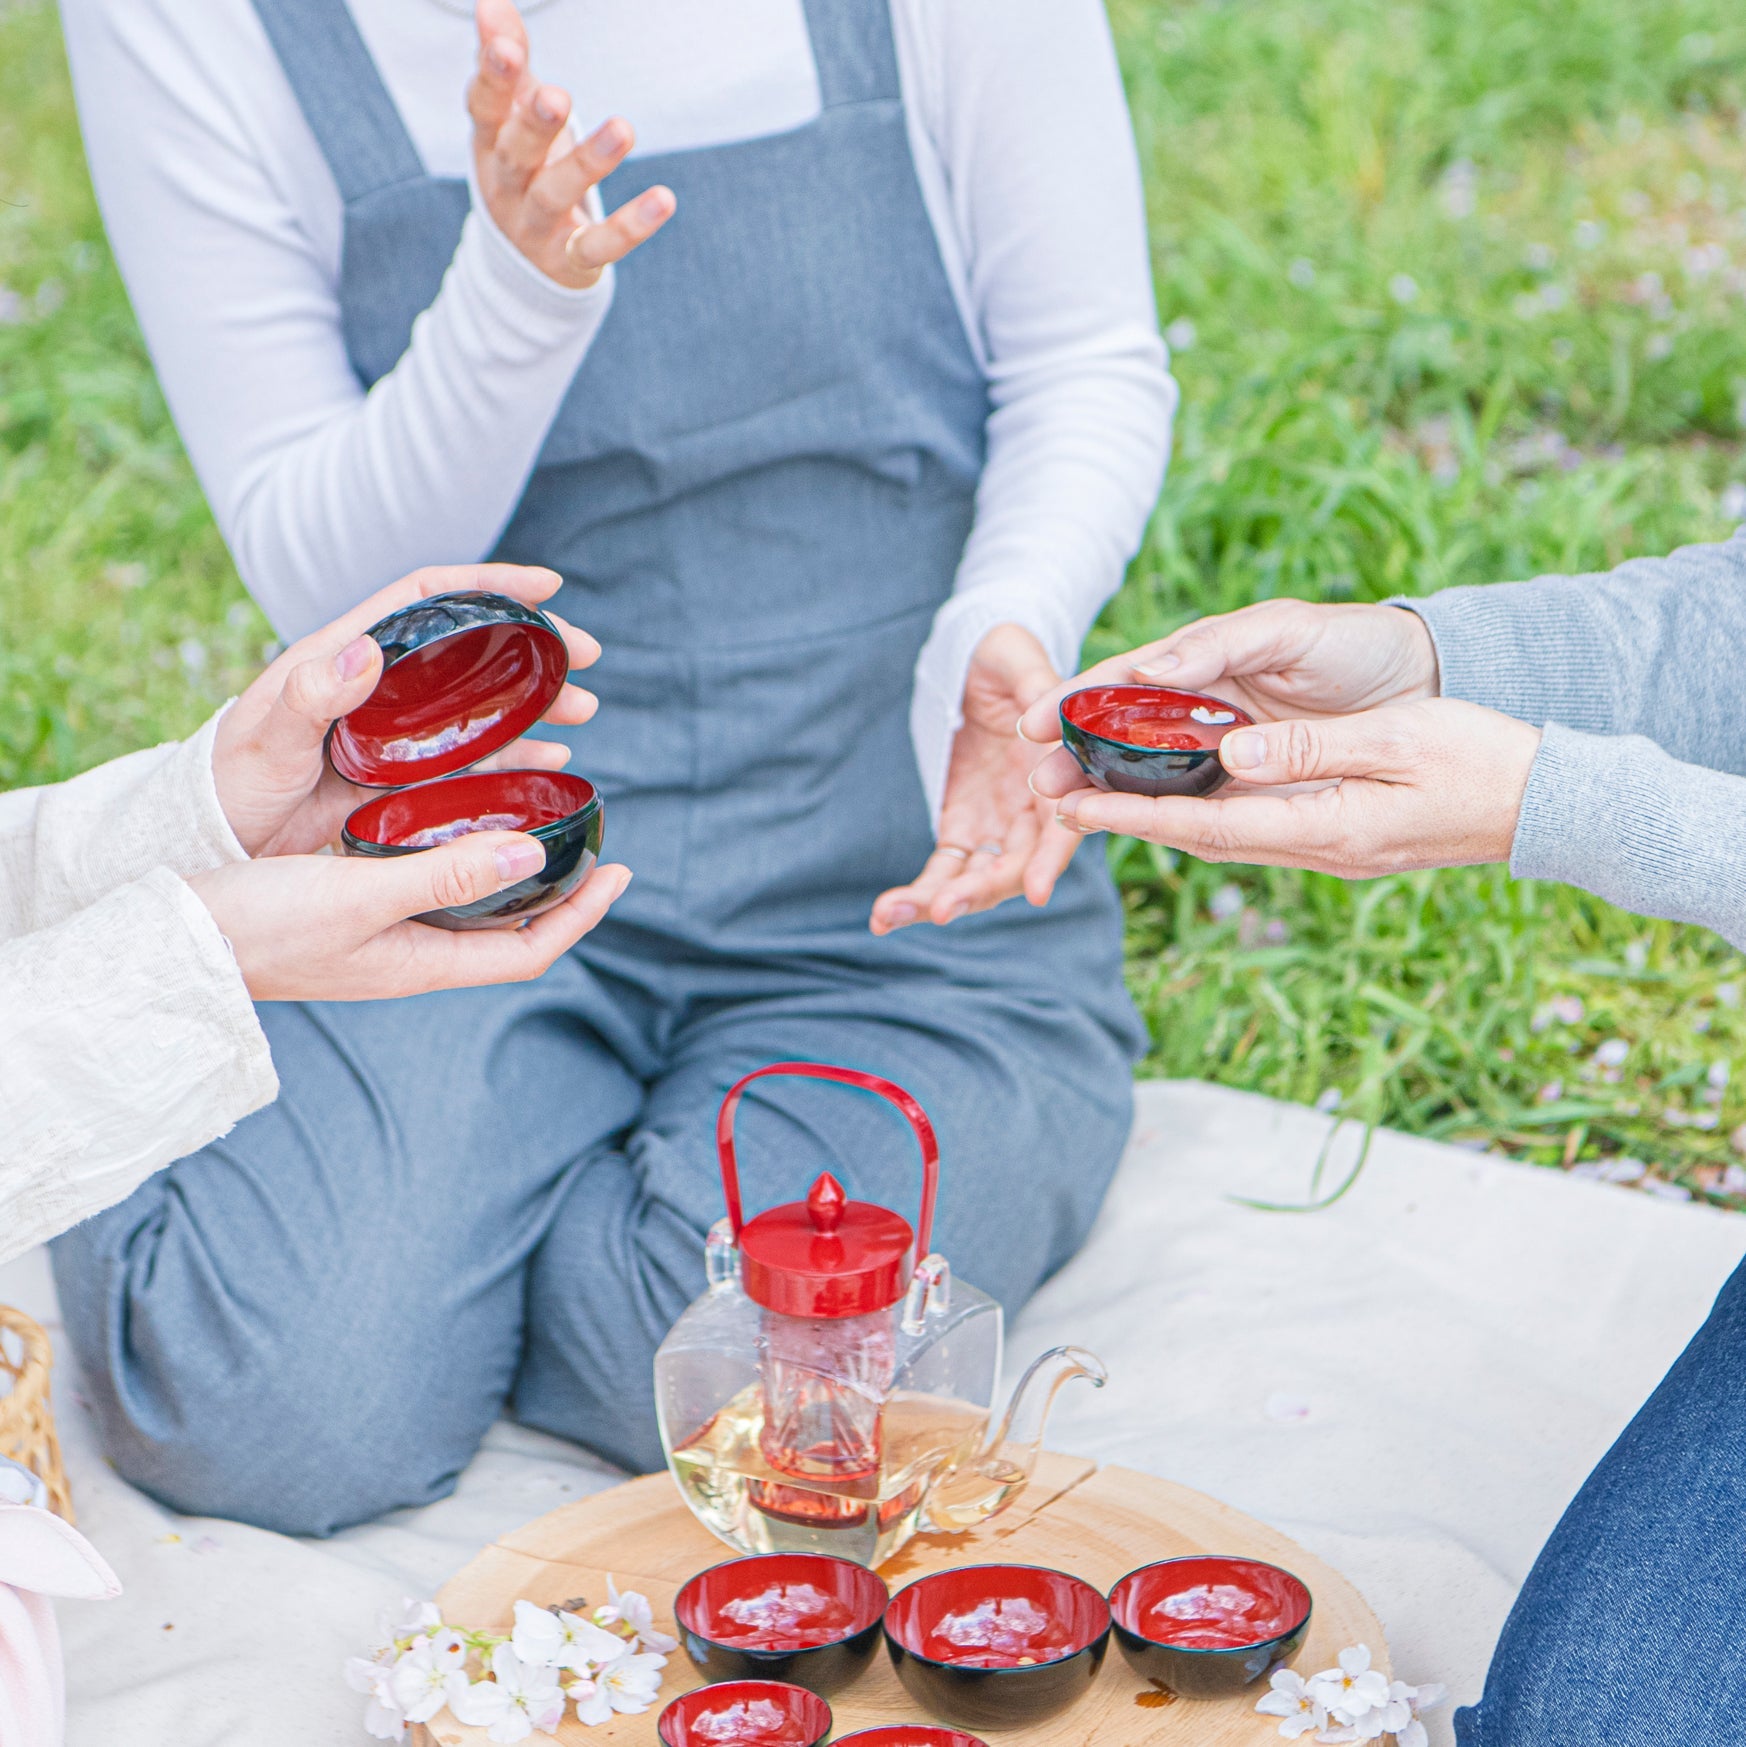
(757, 490)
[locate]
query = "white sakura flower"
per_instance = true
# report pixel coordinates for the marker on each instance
(633, 1610)
(1408, 1730)
(1397, 1711)
(383, 1718)
(483, 1705)
(416, 1617)
(544, 1639)
(628, 1685)
(1352, 1689)
(1291, 1700)
(1366, 1728)
(427, 1677)
(449, 1645)
(515, 1702)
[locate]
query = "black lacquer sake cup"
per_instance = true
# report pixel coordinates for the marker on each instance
(806, 1618)
(1148, 739)
(746, 1713)
(464, 675)
(1208, 1625)
(564, 812)
(997, 1646)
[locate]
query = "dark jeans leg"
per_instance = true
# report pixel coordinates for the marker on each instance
(1631, 1628)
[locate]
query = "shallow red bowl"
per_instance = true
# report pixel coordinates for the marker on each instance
(463, 675)
(807, 1618)
(909, 1735)
(746, 1713)
(1208, 1625)
(997, 1646)
(1149, 739)
(564, 812)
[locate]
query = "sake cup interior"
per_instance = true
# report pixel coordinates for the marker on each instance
(807, 1618)
(463, 675)
(997, 1616)
(997, 1646)
(563, 812)
(1148, 739)
(745, 1713)
(1209, 1624)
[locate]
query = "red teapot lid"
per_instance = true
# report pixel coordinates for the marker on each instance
(463, 674)
(828, 1256)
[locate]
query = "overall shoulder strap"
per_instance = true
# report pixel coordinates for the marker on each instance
(853, 49)
(341, 94)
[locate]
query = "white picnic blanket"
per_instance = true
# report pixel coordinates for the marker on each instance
(1411, 1382)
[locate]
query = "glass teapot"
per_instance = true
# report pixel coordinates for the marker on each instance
(828, 1392)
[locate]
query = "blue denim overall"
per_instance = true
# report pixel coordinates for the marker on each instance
(757, 489)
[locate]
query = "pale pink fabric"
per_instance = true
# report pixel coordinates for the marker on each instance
(40, 1557)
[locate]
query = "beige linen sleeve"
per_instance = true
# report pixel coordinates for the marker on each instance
(127, 1039)
(67, 845)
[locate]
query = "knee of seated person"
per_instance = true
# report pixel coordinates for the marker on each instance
(286, 1474)
(1569, 1675)
(631, 1441)
(1559, 1712)
(303, 1449)
(609, 1409)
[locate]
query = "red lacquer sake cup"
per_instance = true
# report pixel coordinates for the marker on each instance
(997, 1646)
(463, 676)
(1149, 739)
(745, 1713)
(806, 1618)
(1208, 1625)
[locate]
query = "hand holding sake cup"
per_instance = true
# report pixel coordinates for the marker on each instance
(305, 926)
(1342, 697)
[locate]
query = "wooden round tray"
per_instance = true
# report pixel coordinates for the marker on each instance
(1098, 1523)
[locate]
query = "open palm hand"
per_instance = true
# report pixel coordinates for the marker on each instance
(997, 840)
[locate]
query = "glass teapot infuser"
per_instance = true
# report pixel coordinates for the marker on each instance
(830, 1392)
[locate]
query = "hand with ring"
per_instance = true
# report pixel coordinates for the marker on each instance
(997, 839)
(535, 179)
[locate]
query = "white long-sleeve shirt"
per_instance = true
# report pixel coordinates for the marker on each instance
(127, 1038)
(227, 225)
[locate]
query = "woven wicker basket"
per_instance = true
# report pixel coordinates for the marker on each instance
(27, 1422)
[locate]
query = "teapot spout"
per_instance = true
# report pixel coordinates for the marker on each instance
(1020, 1435)
(989, 1481)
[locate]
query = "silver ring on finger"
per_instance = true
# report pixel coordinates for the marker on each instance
(953, 849)
(991, 849)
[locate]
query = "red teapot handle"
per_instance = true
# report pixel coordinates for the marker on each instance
(887, 1089)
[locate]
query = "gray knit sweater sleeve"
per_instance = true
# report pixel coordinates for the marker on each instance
(1639, 678)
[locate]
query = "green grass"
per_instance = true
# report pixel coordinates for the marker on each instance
(1459, 294)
